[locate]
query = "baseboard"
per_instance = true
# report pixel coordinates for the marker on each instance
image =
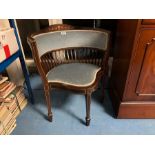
(131, 109)
(138, 109)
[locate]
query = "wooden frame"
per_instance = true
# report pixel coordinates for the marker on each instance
(47, 61)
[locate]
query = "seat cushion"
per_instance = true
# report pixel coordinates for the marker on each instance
(75, 74)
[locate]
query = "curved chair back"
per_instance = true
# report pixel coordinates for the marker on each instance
(71, 39)
(66, 46)
(61, 45)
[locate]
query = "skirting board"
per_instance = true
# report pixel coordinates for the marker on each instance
(131, 109)
(136, 110)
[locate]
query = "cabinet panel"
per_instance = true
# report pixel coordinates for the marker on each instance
(146, 82)
(141, 77)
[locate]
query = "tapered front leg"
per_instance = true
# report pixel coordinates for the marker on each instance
(104, 77)
(103, 88)
(48, 102)
(88, 102)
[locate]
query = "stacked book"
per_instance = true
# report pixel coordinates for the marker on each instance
(12, 102)
(5, 89)
(7, 121)
(16, 101)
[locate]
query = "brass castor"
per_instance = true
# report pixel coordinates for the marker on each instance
(87, 121)
(50, 117)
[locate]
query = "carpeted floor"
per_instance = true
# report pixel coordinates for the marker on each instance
(69, 116)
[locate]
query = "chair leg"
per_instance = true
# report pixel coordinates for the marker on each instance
(48, 102)
(104, 83)
(88, 101)
(103, 88)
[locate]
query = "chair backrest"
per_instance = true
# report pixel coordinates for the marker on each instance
(71, 39)
(53, 47)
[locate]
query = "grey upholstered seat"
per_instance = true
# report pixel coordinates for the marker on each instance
(75, 74)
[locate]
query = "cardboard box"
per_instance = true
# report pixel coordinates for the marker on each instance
(8, 44)
(4, 24)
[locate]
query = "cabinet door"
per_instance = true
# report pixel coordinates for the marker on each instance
(141, 78)
(146, 82)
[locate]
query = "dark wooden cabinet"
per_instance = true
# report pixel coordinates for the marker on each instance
(133, 72)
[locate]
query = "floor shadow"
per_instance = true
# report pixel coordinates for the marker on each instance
(103, 101)
(74, 116)
(38, 110)
(59, 99)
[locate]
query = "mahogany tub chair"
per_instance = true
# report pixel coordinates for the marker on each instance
(73, 59)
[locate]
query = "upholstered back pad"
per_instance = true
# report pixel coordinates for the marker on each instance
(71, 38)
